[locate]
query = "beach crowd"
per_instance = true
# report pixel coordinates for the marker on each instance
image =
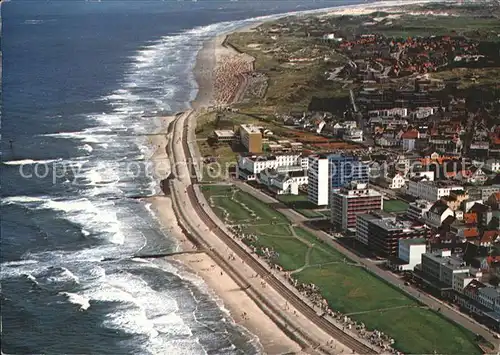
(229, 74)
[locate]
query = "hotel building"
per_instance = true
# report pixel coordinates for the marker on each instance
(318, 190)
(251, 138)
(350, 201)
(382, 231)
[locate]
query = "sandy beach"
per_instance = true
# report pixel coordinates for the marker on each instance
(242, 308)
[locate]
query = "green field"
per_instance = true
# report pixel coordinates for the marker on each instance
(422, 331)
(396, 206)
(301, 204)
(347, 287)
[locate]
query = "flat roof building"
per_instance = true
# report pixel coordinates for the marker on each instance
(318, 188)
(382, 231)
(222, 136)
(251, 138)
(446, 272)
(251, 165)
(352, 200)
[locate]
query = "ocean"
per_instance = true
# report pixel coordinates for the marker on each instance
(83, 82)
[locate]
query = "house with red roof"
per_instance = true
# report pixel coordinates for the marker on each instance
(488, 238)
(409, 137)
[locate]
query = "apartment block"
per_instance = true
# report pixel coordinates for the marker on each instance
(251, 138)
(350, 201)
(382, 231)
(430, 190)
(345, 168)
(318, 188)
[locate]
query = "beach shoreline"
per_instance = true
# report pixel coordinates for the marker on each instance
(241, 308)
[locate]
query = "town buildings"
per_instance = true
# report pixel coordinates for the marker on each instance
(224, 136)
(409, 254)
(430, 190)
(482, 301)
(328, 172)
(482, 193)
(381, 231)
(417, 209)
(492, 165)
(350, 201)
(249, 166)
(444, 272)
(283, 183)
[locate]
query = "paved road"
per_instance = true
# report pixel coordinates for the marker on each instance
(431, 302)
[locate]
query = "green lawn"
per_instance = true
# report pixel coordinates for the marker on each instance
(322, 256)
(294, 198)
(421, 331)
(292, 252)
(328, 253)
(348, 288)
(326, 213)
(231, 211)
(261, 210)
(396, 206)
(210, 190)
(301, 204)
(268, 229)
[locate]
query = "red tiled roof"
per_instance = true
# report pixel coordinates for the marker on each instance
(411, 134)
(470, 218)
(471, 233)
(489, 236)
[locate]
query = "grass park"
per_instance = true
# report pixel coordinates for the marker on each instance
(301, 204)
(347, 286)
(395, 206)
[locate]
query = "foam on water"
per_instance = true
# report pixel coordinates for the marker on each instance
(23, 200)
(88, 148)
(74, 298)
(29, 162)
(142, 310)
(96, 217)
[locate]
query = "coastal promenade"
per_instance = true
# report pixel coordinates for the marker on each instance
(290, 311)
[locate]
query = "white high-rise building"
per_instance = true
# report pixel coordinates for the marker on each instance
(318, 188)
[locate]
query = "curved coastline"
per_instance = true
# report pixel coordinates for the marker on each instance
(226, 287)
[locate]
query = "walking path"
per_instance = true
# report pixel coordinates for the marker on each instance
(270, 299)
(428, 300)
